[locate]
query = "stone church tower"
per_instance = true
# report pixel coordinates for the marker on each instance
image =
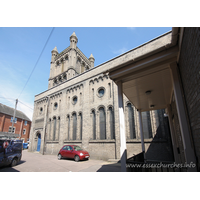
(69, 63)
(81, 107)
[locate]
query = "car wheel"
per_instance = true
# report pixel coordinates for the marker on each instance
(59, 157)
(76, 158)
(14, 162)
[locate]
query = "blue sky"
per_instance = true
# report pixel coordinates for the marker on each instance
(21, 47)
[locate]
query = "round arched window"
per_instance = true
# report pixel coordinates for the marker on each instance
(41, 110)
(55, 105)
(74, 100)
(101, 92)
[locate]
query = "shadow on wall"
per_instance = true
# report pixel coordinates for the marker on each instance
(160, 147)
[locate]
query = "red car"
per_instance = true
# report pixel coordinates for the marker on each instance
(73, 151)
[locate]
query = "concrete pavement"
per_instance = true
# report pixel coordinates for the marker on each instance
(35, 162)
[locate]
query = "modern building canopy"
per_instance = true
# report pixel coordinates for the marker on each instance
(145, 75)
(149, 77)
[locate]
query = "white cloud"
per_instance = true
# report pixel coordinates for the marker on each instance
(120, 51)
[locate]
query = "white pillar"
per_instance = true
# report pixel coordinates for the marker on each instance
(174, 143)
(185, 133)
(141, 133)
(123, 150)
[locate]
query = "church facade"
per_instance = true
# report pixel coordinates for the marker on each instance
(80, 107)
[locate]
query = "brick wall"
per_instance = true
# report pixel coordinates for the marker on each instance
(189, 66)
(5, 123)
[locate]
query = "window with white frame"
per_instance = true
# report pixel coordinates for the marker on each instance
(25, 123)
(24, 131)
(10, 128)
(11, 120)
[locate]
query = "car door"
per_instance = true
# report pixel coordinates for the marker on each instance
(64, 151)
(68, 151)
(71, 152)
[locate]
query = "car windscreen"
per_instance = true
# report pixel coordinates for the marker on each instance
(77, 148)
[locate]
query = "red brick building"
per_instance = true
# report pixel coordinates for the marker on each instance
(22, 125)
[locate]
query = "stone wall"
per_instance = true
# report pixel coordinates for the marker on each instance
(189, 66)
(62, 108)
(75, 96)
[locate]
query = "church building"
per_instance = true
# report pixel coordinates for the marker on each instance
(81, 107)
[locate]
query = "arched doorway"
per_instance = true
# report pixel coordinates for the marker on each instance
(39, 141)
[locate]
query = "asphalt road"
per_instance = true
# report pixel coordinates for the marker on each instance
(35, 162)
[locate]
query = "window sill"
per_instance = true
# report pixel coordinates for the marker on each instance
(52, 142)
(151, 140)
(73, 141)
(102, 141)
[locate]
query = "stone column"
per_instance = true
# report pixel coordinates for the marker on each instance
(123, 150)
(185, 132)
(108, 133)
(141, 133)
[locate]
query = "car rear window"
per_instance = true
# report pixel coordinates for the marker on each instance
(77, 148)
